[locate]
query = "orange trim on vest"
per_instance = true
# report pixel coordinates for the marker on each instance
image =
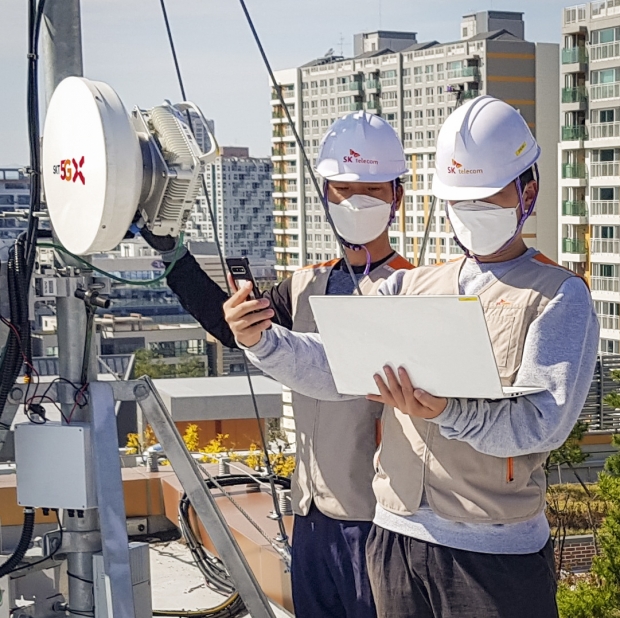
(378, 432)
(543, 259)
(322, 264)
(448, 262)
(510, 470)
(398, 262)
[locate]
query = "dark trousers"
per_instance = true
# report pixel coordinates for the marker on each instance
(329, 574)
(411, 578)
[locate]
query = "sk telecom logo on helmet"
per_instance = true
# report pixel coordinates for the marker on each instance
(457, 168)
(356, 157)
(70, 170)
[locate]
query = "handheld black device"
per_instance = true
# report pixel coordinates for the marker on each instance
(239, 268)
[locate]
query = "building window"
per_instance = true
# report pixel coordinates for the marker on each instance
(609, 346)
(607, 35)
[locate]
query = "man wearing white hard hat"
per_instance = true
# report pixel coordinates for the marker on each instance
(361, 160)
(460, 529)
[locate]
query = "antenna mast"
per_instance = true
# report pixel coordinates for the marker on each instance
(62, 57)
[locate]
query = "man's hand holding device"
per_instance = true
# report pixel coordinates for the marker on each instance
(400, 393)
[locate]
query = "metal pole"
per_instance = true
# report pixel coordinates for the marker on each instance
(191, 479)
(427, 231)
(62, 42)
(62, 56)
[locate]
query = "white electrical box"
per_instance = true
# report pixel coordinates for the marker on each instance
(139, 561)
(54, 466)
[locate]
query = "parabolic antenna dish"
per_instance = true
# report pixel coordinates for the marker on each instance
(92, 166)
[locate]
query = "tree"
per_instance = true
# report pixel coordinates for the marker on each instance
(190, 367)
(570, 452)
(148, 363)
(599, 596)
(613, 399)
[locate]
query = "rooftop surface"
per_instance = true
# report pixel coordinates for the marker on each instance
(177, 584)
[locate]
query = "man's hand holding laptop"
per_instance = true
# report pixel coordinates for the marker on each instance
(400, 393)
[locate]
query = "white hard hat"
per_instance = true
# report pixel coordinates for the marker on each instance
(481, 148)
(361, 147)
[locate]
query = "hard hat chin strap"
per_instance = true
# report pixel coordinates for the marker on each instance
(523, 214)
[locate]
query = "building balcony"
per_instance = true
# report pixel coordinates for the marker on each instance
(605, 245)
(464, 72)
(286, 243)
(604, 91)
(373, 84)
(470, 94)
(609, 322)
(574, 209)
(574, 132)
(574, 17)
(573, 170)
(578, 94)
(574, 55)
(287, 93)
(600, 208)
(356, 107)
(573, 245)
(375, 105)
(287, 260)
(608, 168)
(472, 71)
(355, 86)
(604, 51)
(603, 130)
(604, 284)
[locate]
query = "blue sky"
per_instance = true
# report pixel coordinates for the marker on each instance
(125, 45)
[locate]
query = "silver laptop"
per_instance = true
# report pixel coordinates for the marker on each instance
(442, 341)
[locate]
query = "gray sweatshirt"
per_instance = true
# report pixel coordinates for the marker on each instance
(559, 354)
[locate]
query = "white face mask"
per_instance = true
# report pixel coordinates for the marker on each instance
(482, 228)
(361, 218)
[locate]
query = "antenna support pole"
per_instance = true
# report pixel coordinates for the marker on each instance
(62, 57)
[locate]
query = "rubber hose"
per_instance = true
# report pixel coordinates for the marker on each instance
(10, 366)
(23, 545)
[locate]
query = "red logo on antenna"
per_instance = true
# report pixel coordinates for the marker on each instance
(69, 173)
(357, 155)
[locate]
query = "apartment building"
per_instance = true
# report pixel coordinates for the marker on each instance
(14, 198)
(414, 86)
(589, 157)
(240, 189)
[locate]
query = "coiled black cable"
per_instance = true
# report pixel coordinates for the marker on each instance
(212, 568)
(22, 255)
(18, 341)
(22, 547)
